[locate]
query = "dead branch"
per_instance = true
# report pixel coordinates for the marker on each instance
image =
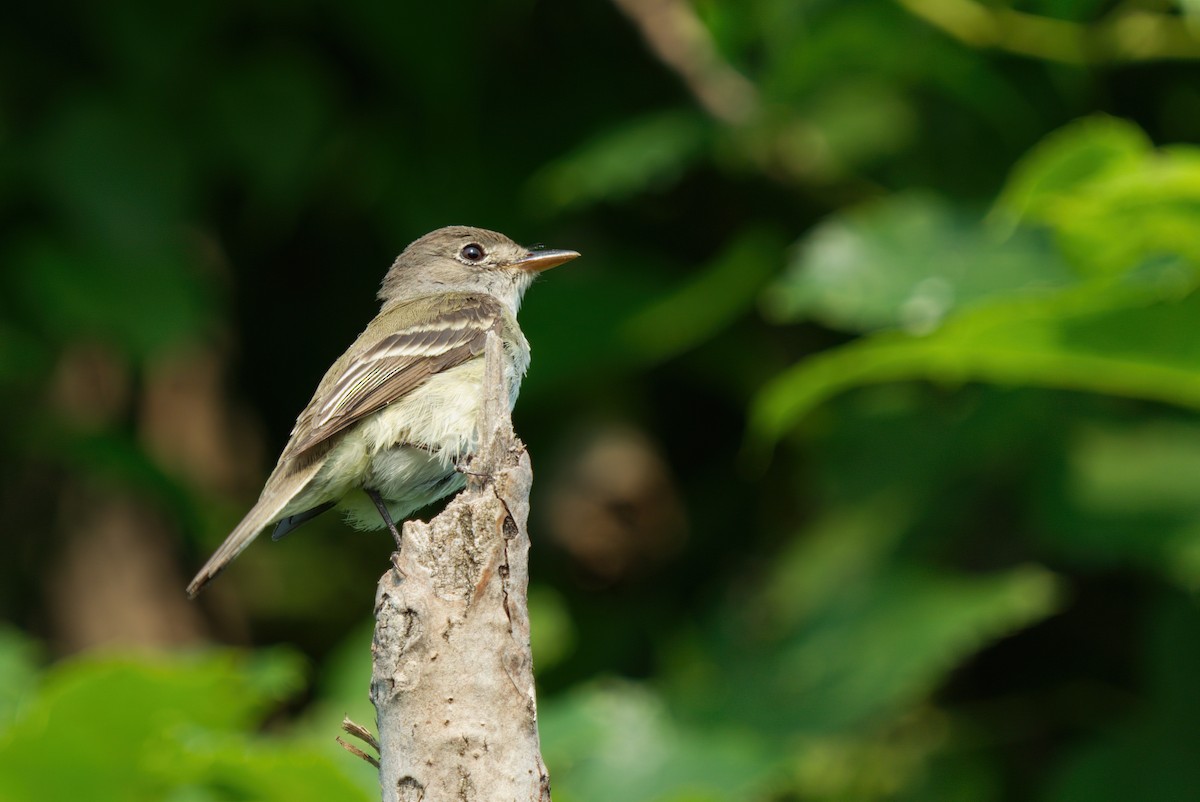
(452, 673)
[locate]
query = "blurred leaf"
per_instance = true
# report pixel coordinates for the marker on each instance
(1127, 500)
(832, 133)
(845, 635)
(1107, 340)
(617, 740)
(1150, 467)
(586, 307)
(342, 692)
(18, 673)
(846, 549)
(623, 314)
(872, 653)
(859, 120)
(143, 300)
(647, 152)
(1101, 176)
(909, 261)
(804, 53)
(913, 445)
(1150, 755)
(274, 112)
(552, 633)
(887, 763)
(118, 174)
(1086, 182)
(125, 724)
(713, 299)
(21, 356)
(277, 772)
(1067, 161)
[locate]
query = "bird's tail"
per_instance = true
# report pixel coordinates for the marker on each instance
(262, 515)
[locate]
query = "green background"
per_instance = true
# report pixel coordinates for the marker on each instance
(865, 431)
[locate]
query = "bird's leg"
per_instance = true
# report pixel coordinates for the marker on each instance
(383, 513)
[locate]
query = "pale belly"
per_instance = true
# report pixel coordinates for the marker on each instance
(407, 452)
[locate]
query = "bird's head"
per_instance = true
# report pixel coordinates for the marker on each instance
(465, 259)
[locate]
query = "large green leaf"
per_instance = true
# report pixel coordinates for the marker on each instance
(909, 261)
(1112, 200)
(1116, 340)
(998, 311)
(1067, 162)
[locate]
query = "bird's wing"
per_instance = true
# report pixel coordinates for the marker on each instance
(450, 331)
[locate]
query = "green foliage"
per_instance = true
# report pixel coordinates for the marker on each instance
(647, 153)
(619, 739)
(1101, 176)
(1127, 499)
(844, 635)
(702, 307)
(1122, 326)
(18, 673)
(908, 262)
(1147, 756)
(163, 728)
(967, 569)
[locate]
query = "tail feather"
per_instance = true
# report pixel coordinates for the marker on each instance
(291, 522)
(260, 517)
(287, 481)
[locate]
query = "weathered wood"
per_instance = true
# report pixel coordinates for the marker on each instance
(452, 678)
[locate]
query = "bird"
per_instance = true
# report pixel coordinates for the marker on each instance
(395, 416)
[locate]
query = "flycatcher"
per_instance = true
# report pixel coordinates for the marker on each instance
(395, 414)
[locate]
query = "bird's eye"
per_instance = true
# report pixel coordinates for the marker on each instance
(472, 252)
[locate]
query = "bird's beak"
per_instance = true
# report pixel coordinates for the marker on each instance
(537, 261)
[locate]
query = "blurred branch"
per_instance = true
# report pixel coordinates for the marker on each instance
(677, 36)
(1124, 35)
(452, 672)
(785, 148)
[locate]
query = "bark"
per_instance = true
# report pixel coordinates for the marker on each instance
(452, 678)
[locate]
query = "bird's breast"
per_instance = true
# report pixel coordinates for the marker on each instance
(441, 416)
(407, 450)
